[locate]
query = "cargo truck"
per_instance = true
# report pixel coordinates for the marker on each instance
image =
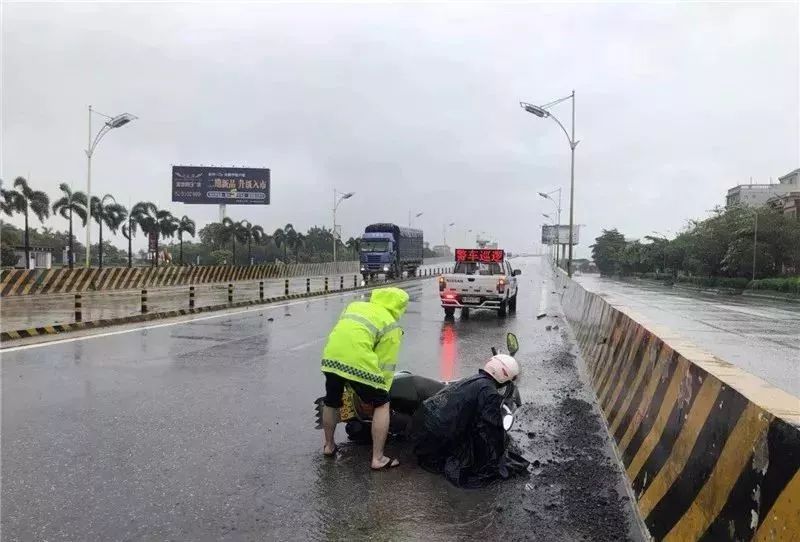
(389, 249)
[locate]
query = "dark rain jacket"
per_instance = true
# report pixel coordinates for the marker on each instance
(459, 433)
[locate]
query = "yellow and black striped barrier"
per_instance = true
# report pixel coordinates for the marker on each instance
(14, 282)
(7, 336)
(711, 451)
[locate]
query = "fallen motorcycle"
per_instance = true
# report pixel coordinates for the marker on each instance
(406, 395)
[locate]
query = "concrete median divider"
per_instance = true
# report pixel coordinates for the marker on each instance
(144, 315)
(15, 282)
(711, 451)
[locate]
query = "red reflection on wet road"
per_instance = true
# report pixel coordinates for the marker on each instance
(447, 358)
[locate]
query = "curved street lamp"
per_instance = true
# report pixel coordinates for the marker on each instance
(338, 198)
(112, 122)
(542, 112)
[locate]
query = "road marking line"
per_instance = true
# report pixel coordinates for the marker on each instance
(181, 322)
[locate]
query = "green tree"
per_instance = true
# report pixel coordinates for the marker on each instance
(291, 239)
(24, 200)
(71, 203)
(186, 225)
(279, 238)
(251, 233)
(106, 211)
(607, 252)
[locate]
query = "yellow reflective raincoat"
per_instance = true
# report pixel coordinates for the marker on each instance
(364, 343)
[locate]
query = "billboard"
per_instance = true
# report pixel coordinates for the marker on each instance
(218, 185)
(559, 235)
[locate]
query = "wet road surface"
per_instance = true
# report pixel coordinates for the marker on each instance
(762, 336)
(204, 430)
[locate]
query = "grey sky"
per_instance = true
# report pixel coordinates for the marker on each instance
(410, 106)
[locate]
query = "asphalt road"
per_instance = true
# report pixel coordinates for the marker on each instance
(203, 430)
(762, 336)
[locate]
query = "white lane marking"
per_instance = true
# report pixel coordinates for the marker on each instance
(307, 344)
(180, 322)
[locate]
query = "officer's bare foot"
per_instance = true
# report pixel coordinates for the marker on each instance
(329, 450)
(385, 463)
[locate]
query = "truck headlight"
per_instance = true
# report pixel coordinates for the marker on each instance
(385, 267)
(363, 268)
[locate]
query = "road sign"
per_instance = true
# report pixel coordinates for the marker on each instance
(220, 185)
(559, 235)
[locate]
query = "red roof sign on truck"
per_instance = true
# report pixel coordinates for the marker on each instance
(486, 255)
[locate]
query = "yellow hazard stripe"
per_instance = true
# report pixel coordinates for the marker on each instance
(752, 426)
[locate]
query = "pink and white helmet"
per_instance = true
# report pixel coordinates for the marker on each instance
(502, 367)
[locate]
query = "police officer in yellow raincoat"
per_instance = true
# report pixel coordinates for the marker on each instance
(362, 352)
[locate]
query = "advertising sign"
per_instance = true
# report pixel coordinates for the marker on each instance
(485, 255)
(559, 235)
(152, 242)
(218, 185)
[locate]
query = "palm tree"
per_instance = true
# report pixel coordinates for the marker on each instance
(167, 225)
(6, 197)
(279, 237)
(186, 225)
(22, 200)
(234, 231)
(71, 203)
(251, 233)
(301, 242)
(106, 211)
(143, 215)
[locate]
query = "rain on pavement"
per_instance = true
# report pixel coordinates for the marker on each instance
(762, 336)
(205, 430)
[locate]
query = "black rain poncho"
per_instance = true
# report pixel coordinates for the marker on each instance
(459, 433)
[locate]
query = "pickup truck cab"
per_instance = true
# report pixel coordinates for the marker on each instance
(482, 279)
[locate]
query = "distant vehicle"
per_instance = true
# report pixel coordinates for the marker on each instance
(482, 279)
(389, 249)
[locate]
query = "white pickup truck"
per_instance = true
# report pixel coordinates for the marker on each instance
(482, 279)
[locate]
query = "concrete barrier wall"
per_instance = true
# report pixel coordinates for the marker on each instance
(58, 281)
(711, 451)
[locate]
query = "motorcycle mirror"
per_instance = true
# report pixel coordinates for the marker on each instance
(512, 344)
(508, 418)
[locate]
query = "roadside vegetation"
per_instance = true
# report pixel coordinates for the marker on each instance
(219, 243)
(736, 248)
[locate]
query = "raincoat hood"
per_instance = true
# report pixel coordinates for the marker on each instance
(394, 300)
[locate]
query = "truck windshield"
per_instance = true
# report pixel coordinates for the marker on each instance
(478, 268)
(374, 246)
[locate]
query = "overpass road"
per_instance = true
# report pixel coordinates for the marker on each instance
(762, 336)
(204, 429)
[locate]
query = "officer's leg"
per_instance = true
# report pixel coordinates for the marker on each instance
(334, 387)
(380, 429)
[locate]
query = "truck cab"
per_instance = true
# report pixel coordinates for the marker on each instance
(481, 279)
(377, 254)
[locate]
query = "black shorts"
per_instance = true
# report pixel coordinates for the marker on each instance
(334, 388)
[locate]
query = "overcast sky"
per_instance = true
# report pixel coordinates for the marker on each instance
(410, 106)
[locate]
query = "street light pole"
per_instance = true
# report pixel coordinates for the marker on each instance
(111, 123)
(755, 242)
(542, 112)
(410, 219)
(338, 197)
(548, 195)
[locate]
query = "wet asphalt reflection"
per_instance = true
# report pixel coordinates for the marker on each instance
(205, 430)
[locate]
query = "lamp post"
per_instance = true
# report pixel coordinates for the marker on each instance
(555, 257)
(666, 240)
(542, 112)
(338, 198)
(444, 232)
(110, 124)
(411, 218)
(548, 195)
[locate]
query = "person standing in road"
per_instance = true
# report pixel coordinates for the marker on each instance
(362, 352)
